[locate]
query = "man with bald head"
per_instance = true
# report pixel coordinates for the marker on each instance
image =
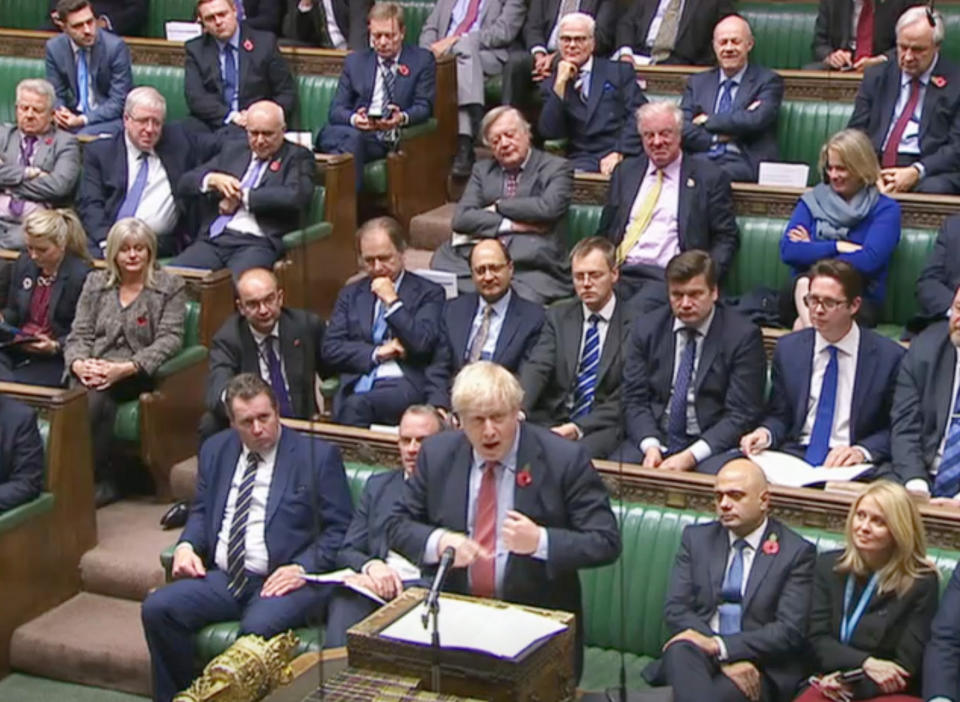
(493, 323)
(277, 343)
(730, 112)
(738, 600)
(250, 194)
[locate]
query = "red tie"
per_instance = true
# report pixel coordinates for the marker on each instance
(482, 578)
(469, 19)
(893, 143)
(865, 31)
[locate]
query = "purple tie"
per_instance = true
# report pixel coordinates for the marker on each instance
(276, 378)
(27, 145)
(220, 223)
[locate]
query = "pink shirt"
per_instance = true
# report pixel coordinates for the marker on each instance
(660, 242)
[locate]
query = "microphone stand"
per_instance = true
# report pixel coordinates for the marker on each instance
(433, 611)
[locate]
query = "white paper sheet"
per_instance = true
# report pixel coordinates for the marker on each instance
(499, 631)
(304, 139)
(340, 577)
(792, 175)
(182, 31)
(446, 280)
(786, 469)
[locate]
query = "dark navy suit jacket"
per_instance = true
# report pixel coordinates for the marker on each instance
(728, 387)
(367, 536)
(414, 93)
(348, 344)
(110, 73)
(878, 361)
(264, 75)
(103, 185)
(776, 601)
(752, 122)
(873, 112)
(64, 295)
(606, 123)
(278, 201)
(309, 485)
(940, 278)
(941, 658)
(127, 17)
(21, 454)
(705, 216)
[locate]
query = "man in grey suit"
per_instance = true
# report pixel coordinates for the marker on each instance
(39, 164)
(571, 382)
(520, 196)
(89, 69)
(479, 35)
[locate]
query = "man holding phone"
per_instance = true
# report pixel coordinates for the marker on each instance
(381, 89)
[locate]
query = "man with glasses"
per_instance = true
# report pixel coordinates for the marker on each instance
(135, 174)
(833, 383)
(590, 101)
(693, 375)
(277, 343)
(493, 323)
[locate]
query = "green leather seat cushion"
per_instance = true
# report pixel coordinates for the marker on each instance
(23, 14)
(12, 518)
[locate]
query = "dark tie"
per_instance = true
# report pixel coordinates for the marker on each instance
(511, 181)
(677, 423)
(480, 338)
(483, 570)
(27, 145)
(220, 223)
(132, 200)
(83, 82)
(731, 608)
(365, 382)
(725, 105)
(819, 445)
(893, 143)
(389, 82)
(276, 377)
(587, 370)
(865, 31)
(236, 546)
(229, 76)
(947, 482)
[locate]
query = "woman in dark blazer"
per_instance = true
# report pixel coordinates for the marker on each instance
(844, 217)
(873, 602)
(44, 289)
(129, 321)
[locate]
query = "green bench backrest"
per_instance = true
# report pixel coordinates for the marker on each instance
(357, 474)
(191, 324)
(783, 33)
(168, 80)
(316, 94)
(804, 126)
(162, 11)
(908, 261)
(951, 41)
(14, 69)
(415, 14)
(757, 262)
(582, 221)
(23, 14)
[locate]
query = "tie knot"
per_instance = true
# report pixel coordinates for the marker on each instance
(729, 84)
(490, 467)
(253, 459)
(387, 63)
(740, 544)
(594, 320)
(488, 310)
(144, 155)
(832, 350)
(690, 333)
(30, 140)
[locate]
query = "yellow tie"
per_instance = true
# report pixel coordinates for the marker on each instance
(638, 225)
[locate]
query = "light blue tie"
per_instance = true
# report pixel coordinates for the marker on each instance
(132, 200)
(726, 105)
(819, 445)
(229, 76)
(221, 222)
(731, 609)
(587, 370)
(365, 383)
(947, 482)
(83, 81)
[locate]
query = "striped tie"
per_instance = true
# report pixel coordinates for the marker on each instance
(236, 546)
(947, 482)
(587, 370)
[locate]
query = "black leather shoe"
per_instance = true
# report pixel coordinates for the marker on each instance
(105, 493)
(463, 161)
(176, 516)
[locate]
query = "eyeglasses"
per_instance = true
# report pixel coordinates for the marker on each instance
(828, 303)
(254, 305)
(567, 39)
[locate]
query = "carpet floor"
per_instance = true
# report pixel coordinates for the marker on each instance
(18, 687)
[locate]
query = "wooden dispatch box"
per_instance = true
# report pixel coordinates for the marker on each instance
(542, 672)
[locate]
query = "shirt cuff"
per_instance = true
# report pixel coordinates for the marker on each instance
(304, 8)
(649, 443)
(543, 545)
(701, 450)
(430, 555)
(723, 648)
(920, 169)
(621, 52)
(397, 304)
(353, 119)
(506, 225)
(184, 544)
(245, 198)
(366, 566)
(539, 50)
(867, 458)
(578, 430)
(918, 484)
(939, 699)
(404, 119)
(205, 183)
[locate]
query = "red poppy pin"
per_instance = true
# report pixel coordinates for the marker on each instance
(771, 546)
(939, 81)
(48, 141)
(402, 69)
(296, 342)
(524, 478)
(142, 321)
(248, 45)
(275, 166)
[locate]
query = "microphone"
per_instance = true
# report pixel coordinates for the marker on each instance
(432, 601)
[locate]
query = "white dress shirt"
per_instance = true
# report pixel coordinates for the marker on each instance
(749, 552)
(157, 207)
(497, 315)
(661, 240)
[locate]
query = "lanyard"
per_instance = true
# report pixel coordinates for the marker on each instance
(849, 623)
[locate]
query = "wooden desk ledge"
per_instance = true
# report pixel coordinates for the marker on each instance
(826, 86)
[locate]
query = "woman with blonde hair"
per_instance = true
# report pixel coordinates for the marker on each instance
(873, 602)
(129, 321)
(44, 288)
(844, 217)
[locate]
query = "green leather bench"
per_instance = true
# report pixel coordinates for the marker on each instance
(42, 503)
(23, 14)
(162, 11)
(651, 536)
(782, 32)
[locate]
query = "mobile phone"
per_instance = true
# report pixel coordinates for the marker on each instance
(375, 112)
(851, 676)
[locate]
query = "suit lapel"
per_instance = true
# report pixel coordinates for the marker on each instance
(250, 359)
(457, 485)
(569, 334)
(598, 78)
(930, 99)
(745, 90)
(946, 363)
(460, 328)
(713, 89)
(56, 290)
(227, 470)
(761, 564)
(891, 90)
(708, 349)
(365, 306)
(283, 467)
(291, 351)
(687, 188)
(806, 351)
(690, 8)
(511, 323)
(212, 52)
(718, 562)
(613, 341)
(370, 73)
(862, 379)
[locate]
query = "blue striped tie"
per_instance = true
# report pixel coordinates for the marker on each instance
(236, 546)
(677, 419)
(587, 370)
(947, 482)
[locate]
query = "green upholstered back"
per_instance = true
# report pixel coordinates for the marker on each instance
(13, 69)
(168, 80)
(162, 11)
(757, 261)
(415, 14)
(582, 221)
(783, 33)
(804, 126)
(316, 94)
(23, 14)
(951, 21)
(908, 261)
